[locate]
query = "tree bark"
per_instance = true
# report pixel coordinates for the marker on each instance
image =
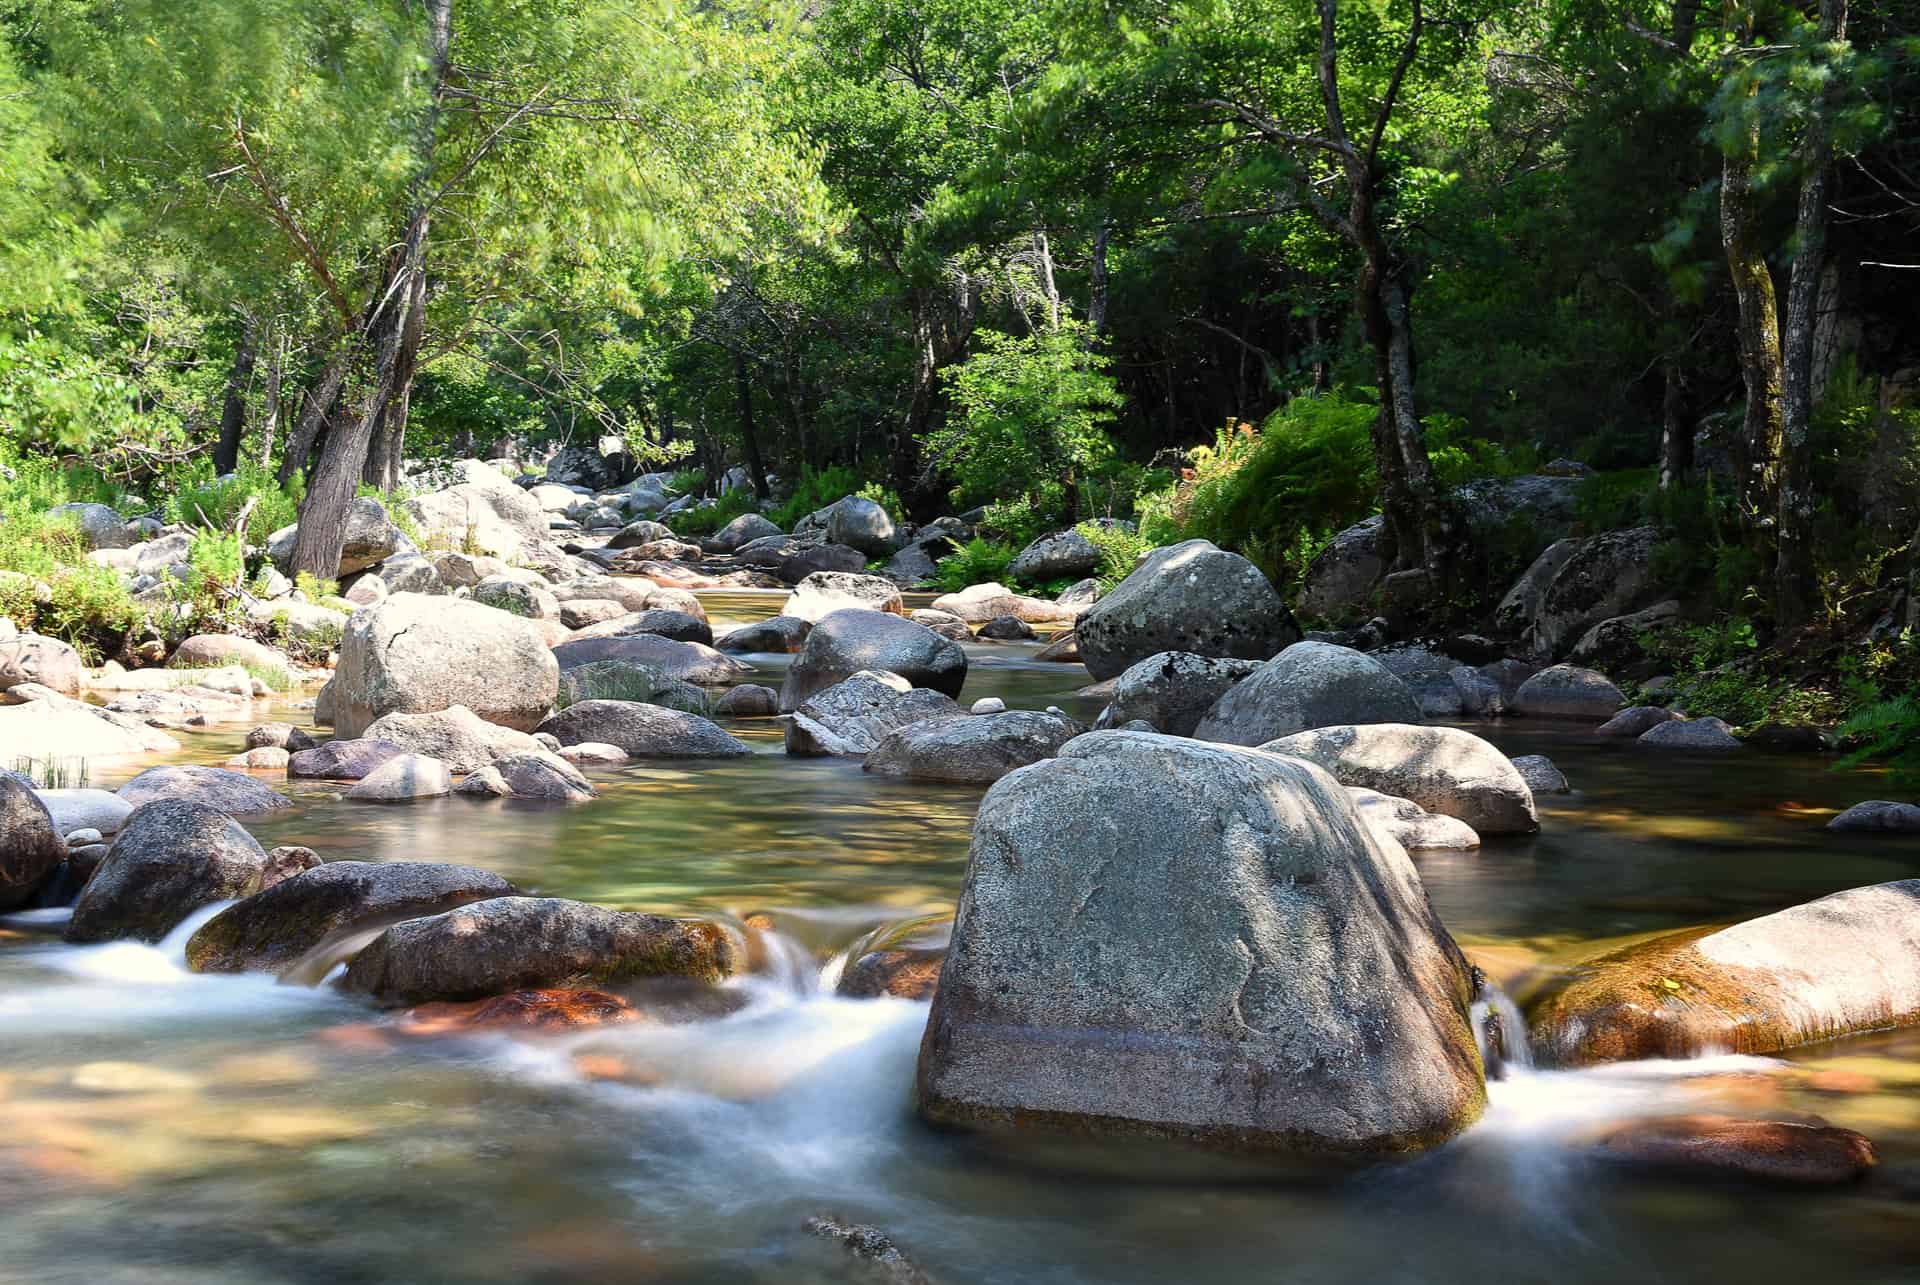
(1097, 294)
(1759, 336)
(276, 370)
(1795, 588)
(1676, 427)
(315, 410)
(233, 413)
(749, 436)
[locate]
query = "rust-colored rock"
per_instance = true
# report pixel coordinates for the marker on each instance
(903, 974)
(529, 1011)
(1771, 1151)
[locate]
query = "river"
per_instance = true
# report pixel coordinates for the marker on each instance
(162, 1127)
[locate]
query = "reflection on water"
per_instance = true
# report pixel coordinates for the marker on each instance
(163, 1127)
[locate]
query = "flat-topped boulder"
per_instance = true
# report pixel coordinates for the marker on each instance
(975, 750)
(845, 642)
(1309, 685)
(1166, 938)
(1443, 769)
(457, 737)
(977, 604)
(234, 793)
(829, 591)
(1190, 597)
(1845, 963)
(418, 654)
(670, 658)
(643, 730)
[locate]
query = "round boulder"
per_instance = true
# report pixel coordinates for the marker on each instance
(859, 523)
(32, 658)
(1568, 691)
(234, 793)
(845, 642)
(171, 858)
(1443, 769)
(31, 849)
(743, 530)
(417, 654)
(780, 635)
(829, 591)
(1309, 685)
(976, 750)
(1173, 691)
(1189, 597)
(402, 779)
(1064, 555)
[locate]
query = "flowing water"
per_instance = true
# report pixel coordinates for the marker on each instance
(156, 1126)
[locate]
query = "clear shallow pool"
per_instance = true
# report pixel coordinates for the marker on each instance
(156, 1126)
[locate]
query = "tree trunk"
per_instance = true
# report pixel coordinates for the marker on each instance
(1676, 427)
(316, 409)
(233, 414)
(1044, 252)
(749, 436)
(1759, 334)
(1097, 297)
(1795, 589)
(276, 370)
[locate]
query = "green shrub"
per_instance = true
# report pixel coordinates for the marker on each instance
(200, 499)
(978, 561)
(687, 481)
(1119, 551)
(817, 489)
(1886, 731)
(709, 518)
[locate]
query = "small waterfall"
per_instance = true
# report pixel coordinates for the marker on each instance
(1501, 1033)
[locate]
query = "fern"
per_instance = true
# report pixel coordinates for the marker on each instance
(1886, 731)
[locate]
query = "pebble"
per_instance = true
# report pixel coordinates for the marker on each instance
(82, 838)
(989, 705)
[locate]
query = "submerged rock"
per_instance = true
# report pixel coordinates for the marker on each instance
(515, 943)
(273, 929)
(1635, 720)
(525, 1012)
(1540, 774)
(845, 642)
(1845, 963)
(1308, 685)
(904, 973)
(171, 858)
(1697, 734)
(1877, 816)
(1791, 1153)
(856, 714)
(1189, 597)
(1443, 769)
(1168, 938)
(975, 750)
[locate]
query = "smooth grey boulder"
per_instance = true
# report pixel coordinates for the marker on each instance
(855, 714)
(369, 537)
(1308, 685)
(1165, 938)
(101, 526)
(418, 654)
(979, 603)
(749, 700)
(171, 858)
(976, 750)
(540, 775)
(1540, 774)
(1339, 582)
(1697, 734)
(583, 613)
(1064, 555)
(743, 530)
(944, 623)
(632, 594)
(1877, 816)
(410, 573)
(209, 651)
(501, 521)
(514, 943)
(628, 681)
(35, 658)
(517, 597)
(1608, 575)
(1443, 769)
(779, 635)
(685, 662)
(843, 643)
(1568, 691)
(274, 928)
(403, 779)
(1635, 721)
(643, 731)
(86, 809)
(458, 737)
(824, 592)
(635, 534)
(1189, 597)
(342, 760)
(660, 621)
(1173, 691)
(234, 793)
(1410, 825)
(31, 849)
(859, 523)
(1006, 629)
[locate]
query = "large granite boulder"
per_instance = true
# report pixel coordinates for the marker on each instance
(86, 809)
(404, 778)
(660, 621)
(845, 642)
(210, 651)
(101, 526)
(233, 793)
(517, 597)
(776, 634)
(976, 750)
(684, 662)
(1608, 575)
(1189, 597)
(1516, 610)
(1845, 963)
(643, 731)
(170, 859)
(370, 538)
(1164, 938)
(744, 529)
(859, 523)
(1443, 769)
(501, 521)
(1340, 581)
(513, 943)
(793, 559)
(34, 658)
(31, 849)
(1064, 555)
(342, 760)
(824, 592)
(1568, 691)
(1308, 685)
(274, 928)
(418, 654)
(1173, 691)
(458, 737)
(855, 714)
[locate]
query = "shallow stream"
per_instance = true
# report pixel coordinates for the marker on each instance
(162, 1127)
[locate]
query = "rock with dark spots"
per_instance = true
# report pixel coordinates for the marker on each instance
(1540, 774)
(1608, 575)
(1443, 769)
(1064, 555)
(234, 793)
(1340, 581)
(1007, 629)
(403, 779)
(1777, 1152)
(1620, 643)
(780, 635)
(744, 529)
(273, 929)
(282, 736)
(517, 597)
(1845, 963)
(31, 849)
(643, 730)
(855, 714)
(1568, 691)
(1630, 723)
(457, 737)
(1516, 611)
(859, 523)
(824, 592)
(516, 943)
(749, 700)
(347, 760)
(1080, 594)
(1877, 816)
(1700, 735)
(540, 775)
(910, 973)
(1189, 597)
(1167, 938)
(1174, 690)
(171, 858)
(32, 658)
(369, 537)
(880, 1259)
(944, 623)
(685, 662)
(1306, 686)
(976, 750)
(845, 642)
(417, 654)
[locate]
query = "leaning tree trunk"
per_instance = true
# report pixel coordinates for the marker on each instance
(749, 435)
(321, 397)
(270, 402)
(233, 414)
(1794, 583)
(1759, 334)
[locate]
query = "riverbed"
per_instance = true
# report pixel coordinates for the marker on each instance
(160, 1127)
